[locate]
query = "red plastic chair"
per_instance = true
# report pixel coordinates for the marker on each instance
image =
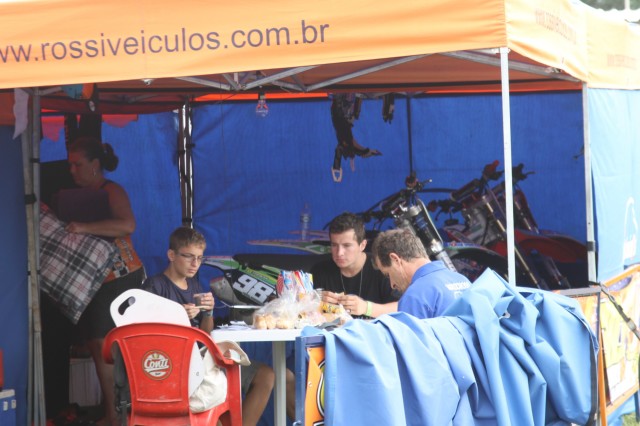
(157, 358)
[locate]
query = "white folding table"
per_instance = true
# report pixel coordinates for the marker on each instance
(278, 338)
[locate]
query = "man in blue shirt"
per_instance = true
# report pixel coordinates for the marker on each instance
(427, 287)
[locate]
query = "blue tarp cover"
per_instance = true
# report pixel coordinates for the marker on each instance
(499, 357)
(616, 178)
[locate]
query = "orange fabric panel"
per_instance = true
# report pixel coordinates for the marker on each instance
(614, 53)
(50, 42)
(6, 109)
(551, 32)
(57, 42)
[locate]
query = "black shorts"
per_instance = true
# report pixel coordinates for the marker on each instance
(96, 320)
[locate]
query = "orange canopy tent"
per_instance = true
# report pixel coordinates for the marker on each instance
(158, 50)
(154, 55)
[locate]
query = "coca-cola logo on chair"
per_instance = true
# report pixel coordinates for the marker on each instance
(156, 365)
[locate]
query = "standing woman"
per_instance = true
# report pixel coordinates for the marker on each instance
(88, 157)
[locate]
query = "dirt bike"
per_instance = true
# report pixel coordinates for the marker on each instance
(408, 211)
(248, 281)
(572, 249)
(482, 208)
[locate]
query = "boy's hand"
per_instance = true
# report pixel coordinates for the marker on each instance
(207, 302)
(192, 310)
(331, 297)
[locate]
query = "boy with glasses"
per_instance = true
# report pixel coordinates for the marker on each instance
(178, 283)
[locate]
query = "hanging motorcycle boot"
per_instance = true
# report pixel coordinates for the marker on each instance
(336, 168)
(345, 108)
(349, 152)
(342, 119)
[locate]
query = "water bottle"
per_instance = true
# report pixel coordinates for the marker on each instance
(305, 220)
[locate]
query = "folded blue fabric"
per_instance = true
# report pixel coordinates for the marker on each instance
(501, 356)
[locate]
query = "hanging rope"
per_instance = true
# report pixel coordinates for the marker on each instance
(410, 136)
(185, 164)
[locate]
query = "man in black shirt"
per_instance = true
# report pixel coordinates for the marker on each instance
(349, 278)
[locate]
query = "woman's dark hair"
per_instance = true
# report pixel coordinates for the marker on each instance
(93, 148)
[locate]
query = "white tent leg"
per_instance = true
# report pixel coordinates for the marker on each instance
(26, 173)
(600, 417)
(508, 172)
(30, 161)
(40, 417)
(588, 189)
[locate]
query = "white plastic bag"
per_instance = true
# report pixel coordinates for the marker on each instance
(213, 389)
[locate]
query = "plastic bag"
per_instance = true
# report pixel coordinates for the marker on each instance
(297, 306)
(279, 313)
(296, 283)
(213, 389)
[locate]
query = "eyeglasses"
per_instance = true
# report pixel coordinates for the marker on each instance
(191, 257)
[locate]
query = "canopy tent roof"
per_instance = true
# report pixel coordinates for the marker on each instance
(159, 52)
(416, 74)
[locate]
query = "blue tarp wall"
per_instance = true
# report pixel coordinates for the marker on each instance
(616, 177)
(14, 332)
(253, 175)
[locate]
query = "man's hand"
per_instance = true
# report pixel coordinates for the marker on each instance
(331, 297)
(353, 304)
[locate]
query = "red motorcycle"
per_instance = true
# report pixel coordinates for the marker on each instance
(536, 253)
(565, 249)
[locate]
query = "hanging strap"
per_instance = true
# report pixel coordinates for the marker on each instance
(632, 325)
